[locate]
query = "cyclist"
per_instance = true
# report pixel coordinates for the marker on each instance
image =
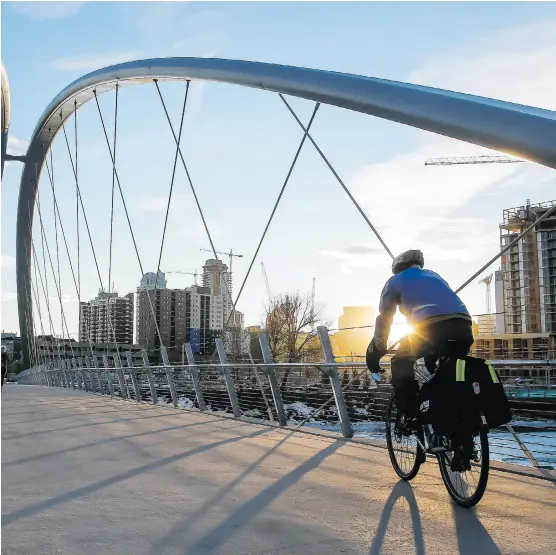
(440, 320)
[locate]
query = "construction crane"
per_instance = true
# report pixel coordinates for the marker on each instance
(185, 273)
(487, 281)
(268, 290)
(469, 160)
(229, 254)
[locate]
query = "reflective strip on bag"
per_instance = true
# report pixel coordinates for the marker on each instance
(493, 375)
(460, 370)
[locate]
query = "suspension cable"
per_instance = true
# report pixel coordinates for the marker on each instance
(82, 205)
(546, 215)
(339, 179)
(169, 197)
(186, 171)
(77, 205)
(50, 173)
(305, 135)
(61, 226)
(125, 209)
(37, 300)
(33, 292)
(113, 188)
(225, 282)
(37, 268)
(58, 286)
(55, 220)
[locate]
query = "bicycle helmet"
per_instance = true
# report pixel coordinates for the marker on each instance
(406, 260)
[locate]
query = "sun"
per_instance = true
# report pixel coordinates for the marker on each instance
(399, 330)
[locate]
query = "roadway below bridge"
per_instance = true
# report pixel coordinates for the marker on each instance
(87, 475)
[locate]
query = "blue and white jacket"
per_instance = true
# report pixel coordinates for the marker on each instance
(421, 295)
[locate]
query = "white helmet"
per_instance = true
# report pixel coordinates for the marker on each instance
(406, 260)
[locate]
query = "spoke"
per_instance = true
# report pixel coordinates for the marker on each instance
(339, 179)
(292, 166)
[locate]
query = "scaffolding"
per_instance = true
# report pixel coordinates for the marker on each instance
(526, 346)
(529, 270)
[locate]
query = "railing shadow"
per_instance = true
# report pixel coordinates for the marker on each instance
(401, 489)
(472, 536)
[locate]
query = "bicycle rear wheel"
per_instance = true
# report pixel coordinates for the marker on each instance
(405, 453)
(467, 487)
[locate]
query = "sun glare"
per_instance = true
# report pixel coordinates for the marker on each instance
(399, 330)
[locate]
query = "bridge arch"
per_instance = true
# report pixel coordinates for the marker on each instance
(527, 132)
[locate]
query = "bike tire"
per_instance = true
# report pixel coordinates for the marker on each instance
(449, 477)
(405, 469)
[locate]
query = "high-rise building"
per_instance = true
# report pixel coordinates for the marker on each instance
(149, 281)
(219, 281)
(189, 315)
(529, 270)
(107, 319)
(354, 332)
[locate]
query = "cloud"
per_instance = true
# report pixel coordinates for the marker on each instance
(40, 11)
(426, 207)
(8, 261)
(90, 62)
(8, 296)
(16, 146)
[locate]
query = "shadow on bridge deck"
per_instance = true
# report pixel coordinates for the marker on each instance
(89, 475)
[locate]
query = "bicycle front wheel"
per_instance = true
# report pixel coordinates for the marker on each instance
(405, 453)
(467, 486)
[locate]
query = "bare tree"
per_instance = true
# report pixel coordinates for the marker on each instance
(290, 324)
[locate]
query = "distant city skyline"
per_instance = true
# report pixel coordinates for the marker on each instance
(239, 143)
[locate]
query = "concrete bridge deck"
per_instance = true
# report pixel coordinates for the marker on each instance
(84, 475)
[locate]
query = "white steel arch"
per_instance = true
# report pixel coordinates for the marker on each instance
(523, 131)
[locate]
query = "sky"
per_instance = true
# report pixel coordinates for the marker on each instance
(239, 144)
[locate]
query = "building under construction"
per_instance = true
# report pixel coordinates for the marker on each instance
(529, 270)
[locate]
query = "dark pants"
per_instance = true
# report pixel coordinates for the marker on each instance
(4, 374)
(449, 338)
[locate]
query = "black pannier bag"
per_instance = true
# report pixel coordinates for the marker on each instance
(458, 391)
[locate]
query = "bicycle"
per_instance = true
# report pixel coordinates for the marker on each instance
(463, 456)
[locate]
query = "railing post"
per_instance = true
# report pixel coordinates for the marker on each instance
(120, 372)
(194, 371)
(168, 370)
(84, 364)
(146, 365)
(108, 374)
(133, 376)
(271, 374)
(332, 372)
(227, 377)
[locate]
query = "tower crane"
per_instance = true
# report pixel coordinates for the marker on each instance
(229, 254)
(185, 273)
(469, 160)
(487, 280)
(268, 290)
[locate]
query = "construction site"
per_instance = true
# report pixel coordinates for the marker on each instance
(524, 324)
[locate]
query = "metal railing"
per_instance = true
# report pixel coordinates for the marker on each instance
(294, 394)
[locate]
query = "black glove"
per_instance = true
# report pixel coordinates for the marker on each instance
(373, 357)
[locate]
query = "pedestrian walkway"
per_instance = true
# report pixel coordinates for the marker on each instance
(86, 475)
